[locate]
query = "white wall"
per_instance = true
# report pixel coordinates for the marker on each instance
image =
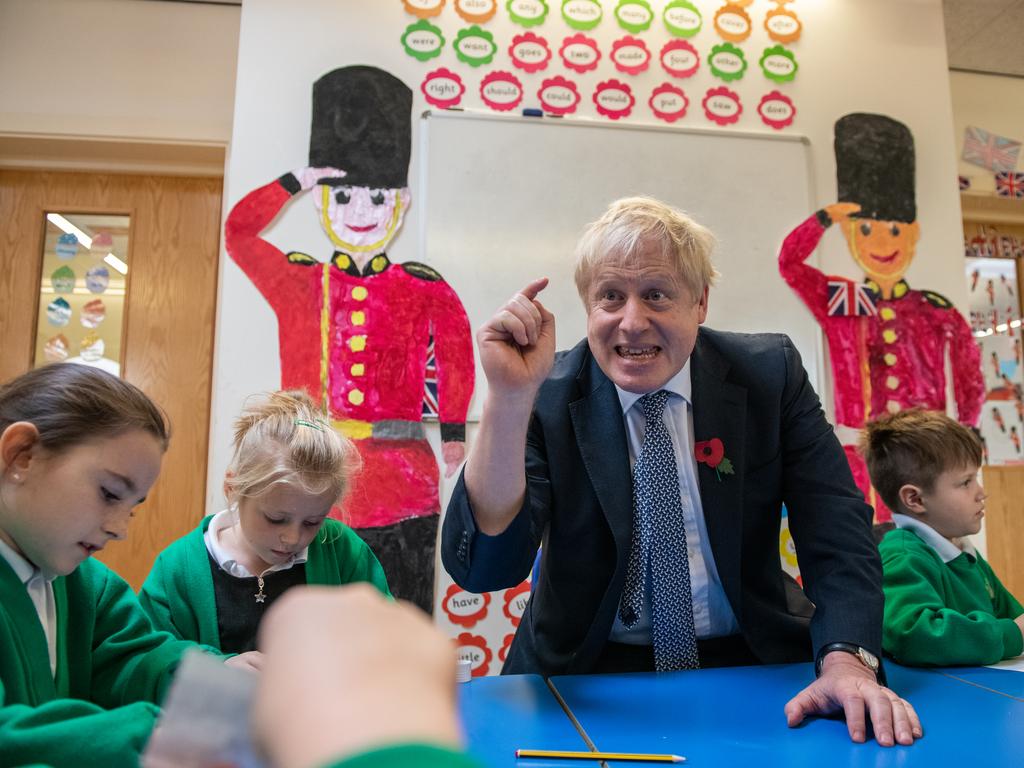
(884, 56)
(985, 101)
(152, 71)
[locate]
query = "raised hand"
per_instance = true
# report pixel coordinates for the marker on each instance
(517, 345)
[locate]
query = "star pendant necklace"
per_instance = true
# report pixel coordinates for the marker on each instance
(260, 596)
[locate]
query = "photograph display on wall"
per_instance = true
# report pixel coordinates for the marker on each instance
(991, 266)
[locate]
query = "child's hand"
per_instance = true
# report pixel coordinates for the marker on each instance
(251, 661)
(346, 655)
(1019, 621)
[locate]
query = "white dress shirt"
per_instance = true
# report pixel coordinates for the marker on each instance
(40, 590)
(712, 614)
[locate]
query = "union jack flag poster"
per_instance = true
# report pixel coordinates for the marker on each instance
(430, 407)
(997, 153)
(1010, 184)
(849, 299)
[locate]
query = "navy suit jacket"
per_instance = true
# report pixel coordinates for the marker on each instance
(750, 391)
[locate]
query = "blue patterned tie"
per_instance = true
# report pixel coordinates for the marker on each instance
(658, 548)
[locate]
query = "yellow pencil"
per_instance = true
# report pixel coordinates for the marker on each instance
(625, 756)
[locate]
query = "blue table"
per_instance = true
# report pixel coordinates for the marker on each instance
(502, 714)
(733, 717)
(1002, 681)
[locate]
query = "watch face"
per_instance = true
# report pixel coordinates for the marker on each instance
(869, 659)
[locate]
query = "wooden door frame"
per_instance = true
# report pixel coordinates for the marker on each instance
(174, 265)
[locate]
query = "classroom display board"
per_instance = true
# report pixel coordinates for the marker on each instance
(505, 198)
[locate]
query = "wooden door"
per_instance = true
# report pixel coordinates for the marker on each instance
(169, 322)
(1004, 525)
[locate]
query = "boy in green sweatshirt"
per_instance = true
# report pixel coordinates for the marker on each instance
(943, 604)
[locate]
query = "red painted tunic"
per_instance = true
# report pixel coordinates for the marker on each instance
(887, 354)
(365, 356)
(893, 359)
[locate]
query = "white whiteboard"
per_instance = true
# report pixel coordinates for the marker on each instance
(505, 198)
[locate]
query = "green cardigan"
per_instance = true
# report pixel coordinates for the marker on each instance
(944, 614)
(178, 593)
(112, 668)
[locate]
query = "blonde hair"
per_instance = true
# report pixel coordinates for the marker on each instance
(915, 447)
(637, 227)
(282, 439)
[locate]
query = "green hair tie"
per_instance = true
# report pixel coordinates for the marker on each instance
(312, 424)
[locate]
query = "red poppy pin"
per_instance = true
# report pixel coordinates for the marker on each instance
(712, 453)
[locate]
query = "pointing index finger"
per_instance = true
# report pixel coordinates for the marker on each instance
(533, 289)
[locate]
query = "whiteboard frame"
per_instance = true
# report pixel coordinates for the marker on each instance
(824, 383)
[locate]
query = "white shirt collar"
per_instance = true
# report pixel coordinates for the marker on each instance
(22, 568)
(226, 559)
(947, 549)
(680, 384)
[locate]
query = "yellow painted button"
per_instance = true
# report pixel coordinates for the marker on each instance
(378, 263)
(358, 369)
(358, 318)
(892, 406)
(343, 261)
(889, 335)
(355, 397)
(890, 358)
(887, 313)
(359, 293)
(892, 382)
(357, 343)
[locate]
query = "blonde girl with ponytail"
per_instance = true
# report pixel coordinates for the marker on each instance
(289, 469)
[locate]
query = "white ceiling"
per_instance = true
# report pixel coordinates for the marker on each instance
(985, 35)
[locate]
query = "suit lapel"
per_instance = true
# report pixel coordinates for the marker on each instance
(719, 411)
(601, 437)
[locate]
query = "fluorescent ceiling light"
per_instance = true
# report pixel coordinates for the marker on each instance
(57, 220)
(116, 263)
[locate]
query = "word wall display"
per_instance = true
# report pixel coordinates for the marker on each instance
(675, 61)
(484, 624)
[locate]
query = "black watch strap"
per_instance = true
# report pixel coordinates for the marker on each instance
(863, 655)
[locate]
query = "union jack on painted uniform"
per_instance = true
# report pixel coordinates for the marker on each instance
(847, 298)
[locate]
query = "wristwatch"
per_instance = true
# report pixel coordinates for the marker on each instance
(866, 657)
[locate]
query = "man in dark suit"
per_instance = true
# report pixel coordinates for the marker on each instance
(652, 461)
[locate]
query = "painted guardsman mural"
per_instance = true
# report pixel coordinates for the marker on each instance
(370, 339)
(887, 341)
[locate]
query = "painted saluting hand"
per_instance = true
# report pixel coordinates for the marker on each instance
(517, 345)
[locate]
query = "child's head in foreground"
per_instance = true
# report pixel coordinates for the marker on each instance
(289, 468)
(79, 448)
(925, 464)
